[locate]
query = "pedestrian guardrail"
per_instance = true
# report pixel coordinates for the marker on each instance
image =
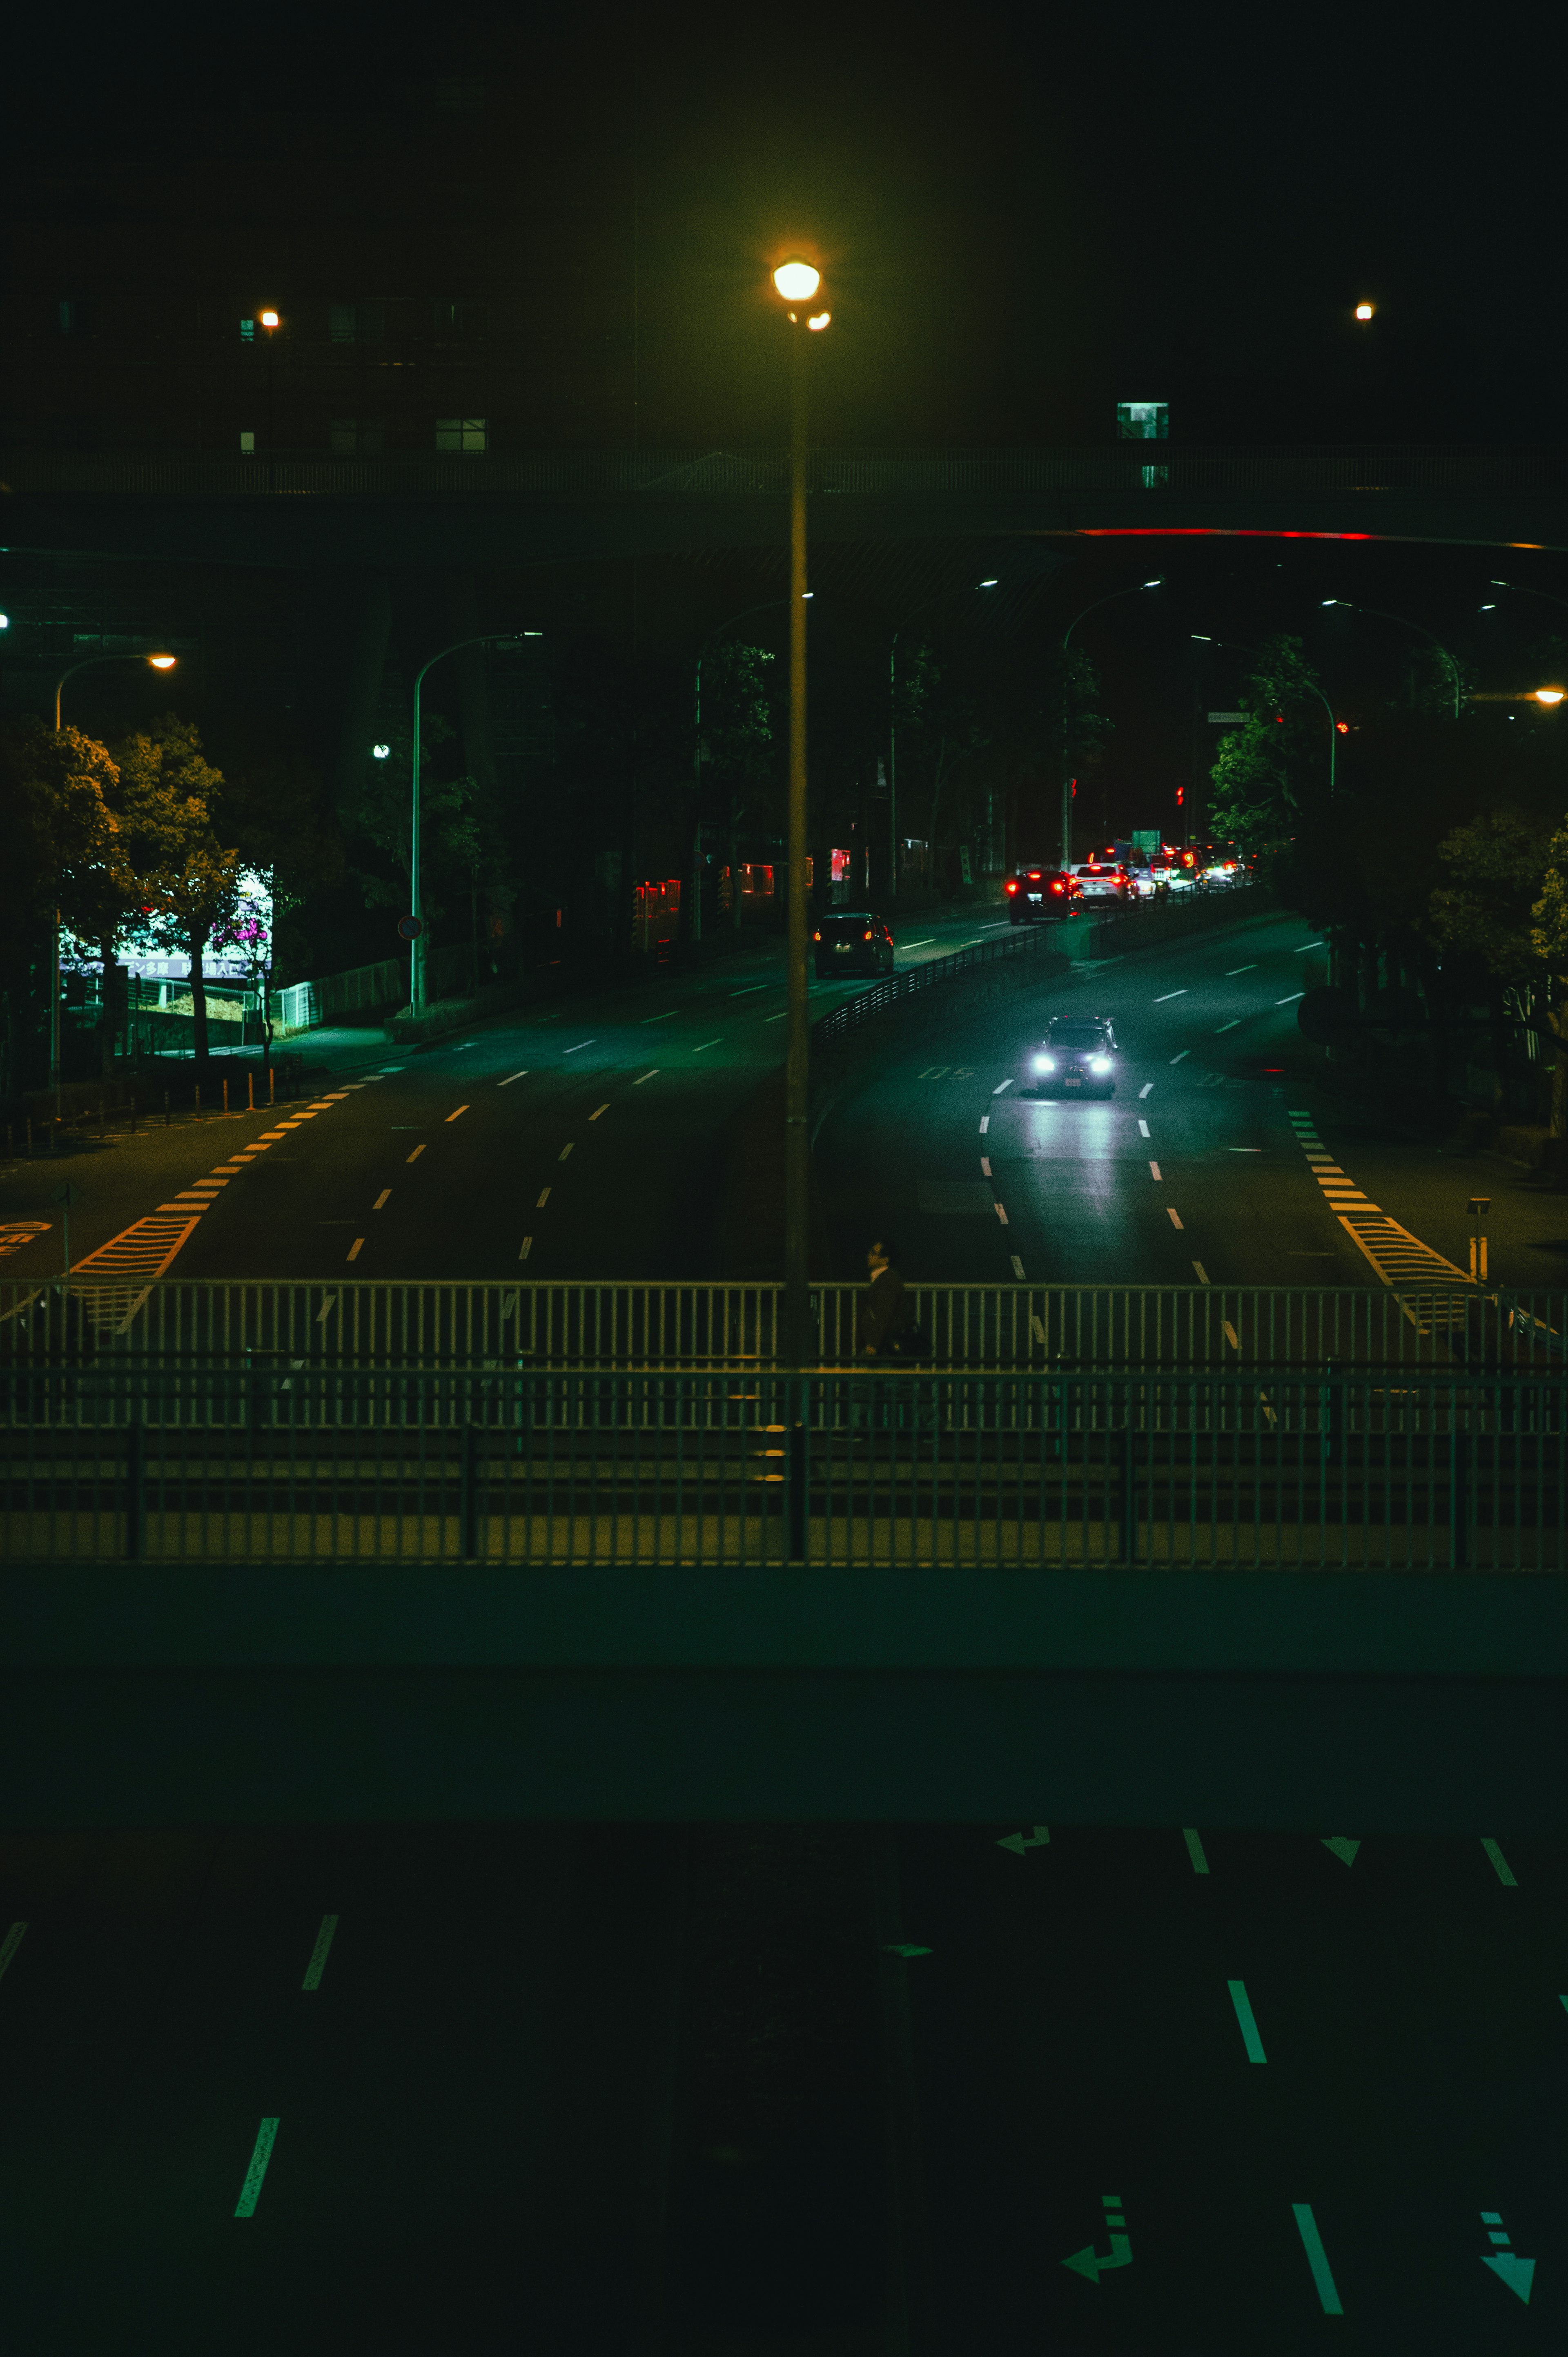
(363, 1323)
(840, 1469)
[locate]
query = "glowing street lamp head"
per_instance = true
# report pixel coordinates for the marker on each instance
(1363, 311)
(269, 318)
(1549, 694)
(797, 282)
(163, 662)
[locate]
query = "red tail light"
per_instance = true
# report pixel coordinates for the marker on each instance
(865, 936)
(1012, 884)
(1034, 875)
(1057, 884)
(816, 937)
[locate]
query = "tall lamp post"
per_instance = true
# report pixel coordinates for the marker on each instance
(1136, 590)
(798, 284)
(1382, 614)
(158, 663)
(415, 873)
(893, 726)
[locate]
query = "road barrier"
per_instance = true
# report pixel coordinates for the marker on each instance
(729, 1469)
(363, 1324)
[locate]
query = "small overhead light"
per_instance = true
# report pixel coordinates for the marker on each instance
(808, 593)
(380, 752)
(1489, 609)
(1363, 311)
(5, 621)
(162, 662)
(1202, 638)
(1549, 694)
(1343, 727)
(1157, 582)
(820, 319)
(269, 318)
(1329, 601)
(986, 585)
(1501, 584)
(533, 634)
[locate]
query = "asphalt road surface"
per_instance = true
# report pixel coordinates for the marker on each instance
(806, 2092)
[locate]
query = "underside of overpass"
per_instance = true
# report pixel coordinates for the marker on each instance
(1387, 1702)
(556, 508)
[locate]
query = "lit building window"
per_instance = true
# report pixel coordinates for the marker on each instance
(1142, 421)
(357, 438)
(460, 434)
(247, 443)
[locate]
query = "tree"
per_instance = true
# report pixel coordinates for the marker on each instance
(737, 741)
(191, 881)
(1272, 770)
(1507, 908)
(63, 859)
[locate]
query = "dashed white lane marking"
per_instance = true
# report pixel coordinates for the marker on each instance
(572, 1051)
(458, 1114)
(707, 1043)
(356, 1248)
(1146, 1090)
(415, 1155)
(997, 1092)
(1185, 1051)
(1170, 994)
(1499, 1864)
(594, 1116)
(565, 1150)
(1173, 1215)
(985, 1123)
(1142, 1129)
(320, 1953)
(1000, 1214)
(748, 989)
(1306, 945)
(544, 1198)
(250, 2192)
(11, 1942)
(527, 1247)
(1154, 1170)
(668, 1017)
(776, 1018)
(1231, 971)
(1292, 999)
(380, 1199)
(1017, 1269)
(653, 1075)
(1234, 1025)
(1200, 1272)
(512, 1076)
(986, 1165)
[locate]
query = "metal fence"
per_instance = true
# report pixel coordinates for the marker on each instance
(298, 1004)
(733, 1470)
(1081, 935)
(374, 1327)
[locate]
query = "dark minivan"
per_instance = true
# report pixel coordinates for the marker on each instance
(846, 944)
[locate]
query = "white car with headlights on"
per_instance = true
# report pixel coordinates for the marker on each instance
(1076, 1058)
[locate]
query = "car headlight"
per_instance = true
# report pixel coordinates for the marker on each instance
(1045, 1063)
(1099, 1063)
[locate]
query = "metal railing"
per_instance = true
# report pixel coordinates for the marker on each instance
(1078, 935)
(842, 1468)
(363, 1325)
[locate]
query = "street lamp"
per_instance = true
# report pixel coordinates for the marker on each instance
(1136, 590)
(1384, 616)
(924, 606)
(158, 663)
(416, 889)
(797, 283)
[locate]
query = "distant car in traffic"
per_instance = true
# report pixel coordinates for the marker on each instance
(1039, 895)
(847, 943)
(1103, 880)
(1076, 1058)
(1171, 875)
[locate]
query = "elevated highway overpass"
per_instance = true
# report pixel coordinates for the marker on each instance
(563, 506)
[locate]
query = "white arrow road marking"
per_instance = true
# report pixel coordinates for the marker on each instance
(1506, 2264)
(1088, 2262)
(1019, 1843)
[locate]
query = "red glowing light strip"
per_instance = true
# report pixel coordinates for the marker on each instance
(1208, 532)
